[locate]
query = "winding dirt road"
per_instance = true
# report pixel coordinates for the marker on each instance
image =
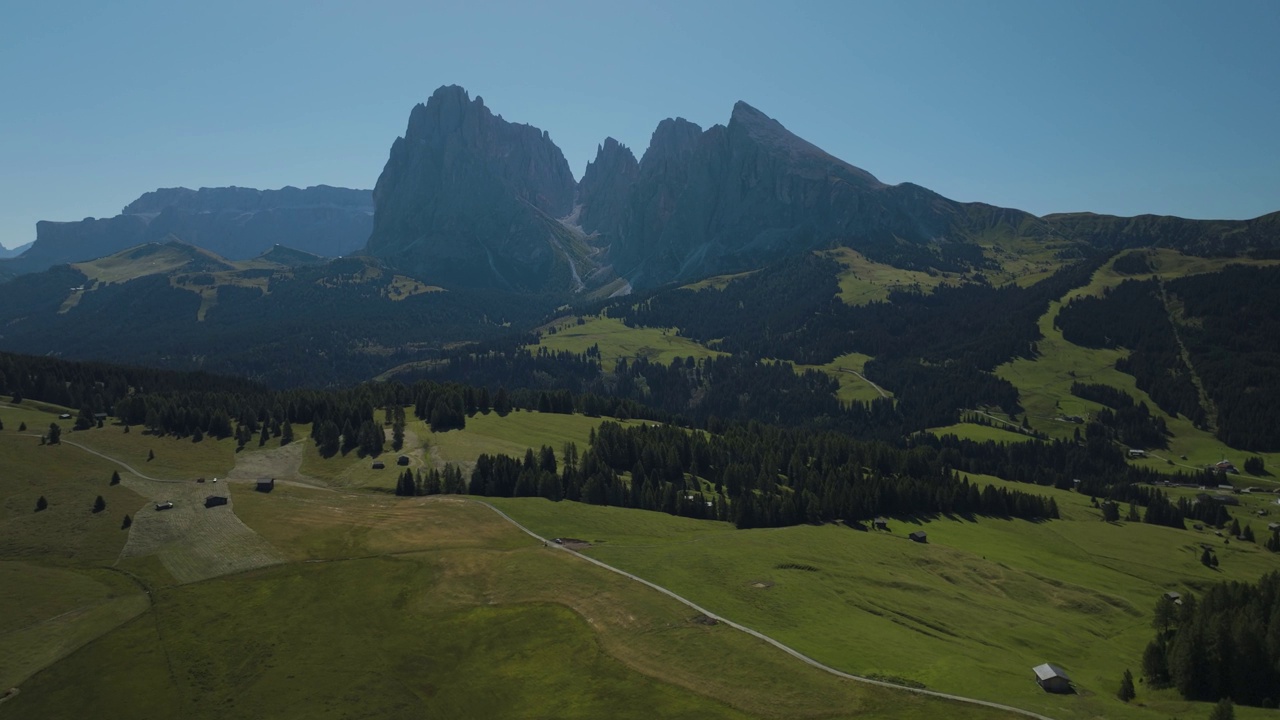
(756, 634)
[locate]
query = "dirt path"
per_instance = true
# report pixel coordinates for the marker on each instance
(864, 379)
(121, 463)
(761, 636)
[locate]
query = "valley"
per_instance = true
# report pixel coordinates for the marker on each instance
(447, 574)
(728, 427)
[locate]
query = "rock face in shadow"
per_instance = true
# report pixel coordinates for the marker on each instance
(469, 199)
(236, 223)
(606, 186)
(735, 196)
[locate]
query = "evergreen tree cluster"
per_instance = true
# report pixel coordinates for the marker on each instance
(752, 475)
(1124, 420)
(1224, 645)
(448, 481)
(1232, 334)
(1133, 316)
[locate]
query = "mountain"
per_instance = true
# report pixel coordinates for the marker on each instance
(234, 222)
(469, 199)
(13, 252)
(285, 318)
(1207, 238)
(606, 185)
(737, 196)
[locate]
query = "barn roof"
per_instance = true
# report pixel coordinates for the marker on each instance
(1048, 671)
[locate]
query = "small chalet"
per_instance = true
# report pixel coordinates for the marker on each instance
(265, 486)
(402, 460)
(214, 501)
(99, 416)
(1052, 678)
(166, 505)
(880, 523)
(1175, 597)
(919, 536)
(1273, 526)
(379, 465)
(1225, 466)
(1136, 453)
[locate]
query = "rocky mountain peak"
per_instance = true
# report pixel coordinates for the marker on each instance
(606, 184)
(466, 197)
(672, 138)
(750, 124)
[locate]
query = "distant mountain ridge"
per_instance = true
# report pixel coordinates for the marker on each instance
(13, 252)
(237, 223)
(469, 199)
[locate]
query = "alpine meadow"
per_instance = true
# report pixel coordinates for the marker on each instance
(720, 427)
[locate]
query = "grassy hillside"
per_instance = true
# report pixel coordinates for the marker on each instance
(322, 599)
(847, 369)
(375, 606)
(485, 433)
(981, 433)
(617, 341)
(1044, 384)
(55, 592)
(863, 281)
(971, 611)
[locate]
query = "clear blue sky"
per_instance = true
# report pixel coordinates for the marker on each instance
(1120, 107)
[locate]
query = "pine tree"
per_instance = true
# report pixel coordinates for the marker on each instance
(397, 435)
(151, 455)
(1155, 666)
(115, 477)
(1127, 692)
(286, 434)
(41, 504)
(1224, 710)
(99, 504)
(55, 434)
(126, 523)
(85, 419)
(502, 402)
(22, 426)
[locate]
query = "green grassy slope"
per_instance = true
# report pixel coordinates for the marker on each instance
(970, 612)
(378, 607)
(1044, 384)
(617, 341)
(54, 594)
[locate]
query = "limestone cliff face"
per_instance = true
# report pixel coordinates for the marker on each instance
(738, 195)
(236, 223)
(467, 198)
(606, 186)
